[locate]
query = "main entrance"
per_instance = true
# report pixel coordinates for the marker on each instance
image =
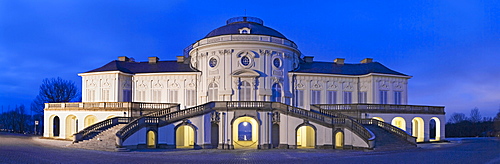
(245, 133)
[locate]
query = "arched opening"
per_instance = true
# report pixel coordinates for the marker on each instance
(184, 137)
(339, 140)
(399, 122)
(378, 118)
(110, 116)
(306, 137)
(56, 126)
(275, 135)
(151, 141)
(417, 128)
(214, 135)
(434, 129)
(89, 120)
(71, 126)
(213, 92)
(245, 133)
(276, 93)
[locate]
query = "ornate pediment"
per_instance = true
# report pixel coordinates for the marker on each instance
(245, 73)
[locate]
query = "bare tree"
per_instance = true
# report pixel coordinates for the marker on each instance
(53, 91)
(475, 115)
(457, 117)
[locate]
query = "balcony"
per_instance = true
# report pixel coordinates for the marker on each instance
(134, 109)
(379, 108)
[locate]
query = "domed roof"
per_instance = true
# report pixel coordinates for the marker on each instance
(234, 25)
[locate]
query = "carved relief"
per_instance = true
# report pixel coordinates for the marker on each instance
(276, 118)
(215, 117)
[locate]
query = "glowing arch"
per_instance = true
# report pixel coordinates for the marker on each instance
(110, 116)
(71, 126)
(184, 137)
(339, 140)
(151, 139)
(89, 120)
(306, 137)
(399, 122)
(245, 144)
(417, 128)
(378, 118)
(437, 137)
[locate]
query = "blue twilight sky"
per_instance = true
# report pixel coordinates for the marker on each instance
(450, 47)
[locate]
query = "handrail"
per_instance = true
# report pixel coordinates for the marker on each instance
(381, 108)
(137, 124)
(97, 127)
(164, 111)
(393, 129)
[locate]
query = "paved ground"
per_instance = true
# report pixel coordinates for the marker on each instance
(26, 149)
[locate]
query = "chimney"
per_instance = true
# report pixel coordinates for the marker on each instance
(308, 59)
(123, 58)
(180, 59)
(339, 61)
(153, 60)
(367, 60)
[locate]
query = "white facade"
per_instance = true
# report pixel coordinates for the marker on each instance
(240, 62)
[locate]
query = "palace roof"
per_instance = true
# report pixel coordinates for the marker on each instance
(255, 25)
(145, 67)
(345, 69)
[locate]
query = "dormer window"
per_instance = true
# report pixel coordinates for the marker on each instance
(244, 30)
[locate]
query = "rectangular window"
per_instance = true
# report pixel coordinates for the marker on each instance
(127, 96)
(347, 97)
(315, 97)
(105, 95)
(173, 94)
(397, 98)
(157, 96)
(362, 97)
(383, 97)
(90, 95)
(331, 97)
(141, 96)
(190, 97)
(299, 96)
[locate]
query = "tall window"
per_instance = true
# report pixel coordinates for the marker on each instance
(190, 97)
(347, 97)
(315, 97)
(397, 97)
(90, 95)
(127, 96)
(174, 95)
(105, 95)
(276, 95)
(141, 96)
(299, 96)
(331, 97)
(383, 97)
(213, 92)
(245, 91)
(362, 97)
(156, 95)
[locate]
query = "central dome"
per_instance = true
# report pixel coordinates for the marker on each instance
(234, 26)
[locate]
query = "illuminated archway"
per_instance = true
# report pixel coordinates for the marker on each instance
(184, 137)
(151, 141)
(71, 126)
(417, 128)
(399, 122)
(436, 129)
(245, 133)
(339, 140)
(378, 118)
(89, 120)
(54, 126)
(110, 116)
(306, 137)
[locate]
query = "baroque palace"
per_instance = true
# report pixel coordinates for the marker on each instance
(243, 86)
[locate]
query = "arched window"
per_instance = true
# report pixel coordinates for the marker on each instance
(213, 92)
(276, 95)
(244, 131)
(245, 91)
